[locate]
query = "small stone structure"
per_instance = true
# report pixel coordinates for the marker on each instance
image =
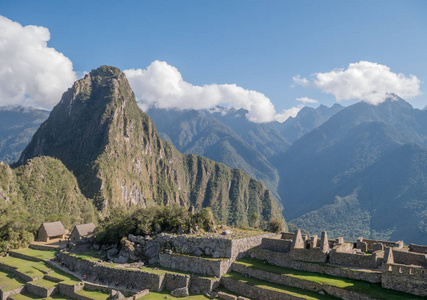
(82, 233)
(51, 230)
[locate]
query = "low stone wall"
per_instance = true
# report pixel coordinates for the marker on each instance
(23, 256)
(202, 285)
(308, 255)
(176, 281)
(204, 266)
(6, 294)
(40, 291)
(7, 268)
(69, 290)
(254, 292)
(417, 248)
(283, 260)
(96, 287)
(409, 258)
(276, 245)
(362, 260)
(409, 279)
(370, 243)
(105, 275)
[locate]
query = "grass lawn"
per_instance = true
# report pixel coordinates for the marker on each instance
(372, 289)
(9, 281)
(44, 283)
(90, 255)
(39, 254)
(309, 295)
(28, 296)
(64, 277)
(161, 296)
(97, 295)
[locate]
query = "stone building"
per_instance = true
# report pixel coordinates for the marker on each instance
(51, 230)
(82, 232)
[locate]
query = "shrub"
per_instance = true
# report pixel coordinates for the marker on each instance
(275, 226)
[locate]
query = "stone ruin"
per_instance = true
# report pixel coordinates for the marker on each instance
(389, 263)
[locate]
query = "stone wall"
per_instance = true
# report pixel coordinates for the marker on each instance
(5, 294)
(204, 266)
(409, 258)
(359, 260)
(102, 274)
(276, 245)
(308, 255)
(176, 281)
(370, 243)
(417, 248)
(239, 247)
(40, 290)
(283, 260)
(410, 279)
(202, 285)
(69, 290)
(212, 245)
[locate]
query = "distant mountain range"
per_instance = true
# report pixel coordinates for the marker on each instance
(355, 171)
(17, 126)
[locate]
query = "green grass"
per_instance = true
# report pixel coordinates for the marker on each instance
(39, 254)
(374, 290)
(90, 255)
(44, 283)
(30, 268)
(64, 277)
(97, 295)
(28, 296)
(9, 281)
(161, 296)
(309, 295)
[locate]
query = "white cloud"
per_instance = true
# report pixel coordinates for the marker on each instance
(287, 113)
(162, 86)
(31, 73)
(307, 100)
(366, 81)
(301, 81)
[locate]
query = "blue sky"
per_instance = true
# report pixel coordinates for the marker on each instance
(257, 45)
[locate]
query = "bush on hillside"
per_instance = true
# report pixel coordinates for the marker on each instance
(152, 220)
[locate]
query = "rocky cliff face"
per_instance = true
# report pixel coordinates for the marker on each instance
(100, 134)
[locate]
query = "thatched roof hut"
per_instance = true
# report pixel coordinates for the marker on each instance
(51, 230)
(82, 231)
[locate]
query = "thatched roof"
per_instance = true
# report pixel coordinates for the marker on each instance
(84, 229)
(54, 228)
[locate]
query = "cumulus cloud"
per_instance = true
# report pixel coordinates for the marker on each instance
(287, 113)
(366, 81)
(31, 73)
(162, 86)
(307, 100)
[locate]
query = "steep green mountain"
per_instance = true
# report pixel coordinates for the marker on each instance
(40, 190)
(98, 132)
(17, 127)
(198, 132)
(355, 173)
